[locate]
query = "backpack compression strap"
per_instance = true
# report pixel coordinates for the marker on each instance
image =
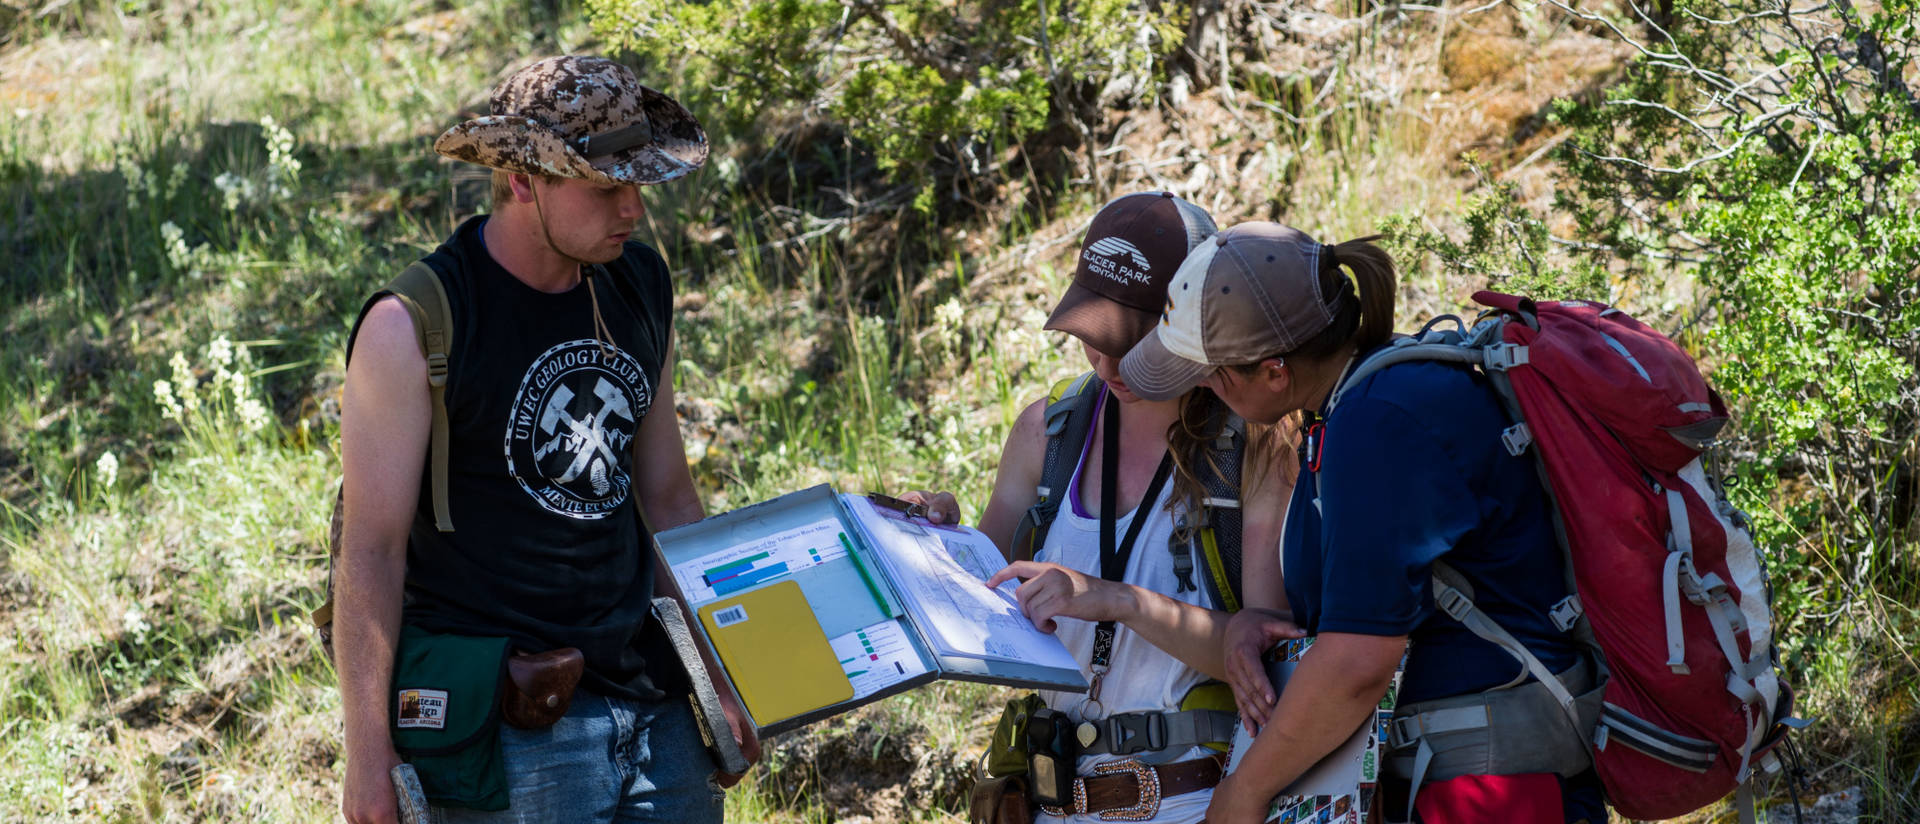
(1069, 417)
(419, 289)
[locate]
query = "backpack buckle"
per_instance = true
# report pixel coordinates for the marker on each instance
(1516, 438)
(437, 369)
(1454, 603)
(1503, 356)
(1566, 613)
(1132, 732)
(1403, 731)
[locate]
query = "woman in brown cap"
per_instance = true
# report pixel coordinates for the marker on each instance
(1404, 471)
(1100, 503)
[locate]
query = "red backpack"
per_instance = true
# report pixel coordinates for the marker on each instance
(1669, 590)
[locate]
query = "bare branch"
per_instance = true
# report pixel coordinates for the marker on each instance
(1747, 133)
(1764, 15)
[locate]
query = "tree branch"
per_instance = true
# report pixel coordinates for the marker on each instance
(914, 49)
(1875, 57)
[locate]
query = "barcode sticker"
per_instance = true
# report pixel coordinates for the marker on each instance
(730, 616)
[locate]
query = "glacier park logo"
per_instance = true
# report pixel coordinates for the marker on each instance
(1117, 260)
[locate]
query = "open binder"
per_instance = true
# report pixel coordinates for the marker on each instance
(815, 603)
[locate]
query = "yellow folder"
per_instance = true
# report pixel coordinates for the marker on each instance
(775, 651)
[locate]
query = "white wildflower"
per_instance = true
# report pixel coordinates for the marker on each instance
(175, 178)
(107, 469)
(134, 621)
(949, 315)
(135, 176)
(253, 415)
(185, 383)
(184, 259)
(235, 190)
(169, 405)
(175, 242)
(220, 352)
(282, 166)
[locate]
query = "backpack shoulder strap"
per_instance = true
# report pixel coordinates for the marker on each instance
(1069, 417)
(420, 290)
(1214, 528)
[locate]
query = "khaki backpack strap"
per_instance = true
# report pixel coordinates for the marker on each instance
(419, 289)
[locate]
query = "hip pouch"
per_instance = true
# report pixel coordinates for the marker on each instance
(1001, 795)
(445, 716)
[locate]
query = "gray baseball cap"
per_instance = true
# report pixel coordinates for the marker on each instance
(1251, 292)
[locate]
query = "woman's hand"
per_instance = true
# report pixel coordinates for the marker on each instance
(1250, 633)
(1233, 803)
(1053, 591)
(942, 507)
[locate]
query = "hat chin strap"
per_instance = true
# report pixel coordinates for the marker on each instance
(601, 334)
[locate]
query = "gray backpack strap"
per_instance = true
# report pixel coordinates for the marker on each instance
(1453, 595)
(1175, 732)
(1069, 417)
(1480, 346)
(1497, 732)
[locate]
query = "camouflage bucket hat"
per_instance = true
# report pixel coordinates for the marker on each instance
(580, 117)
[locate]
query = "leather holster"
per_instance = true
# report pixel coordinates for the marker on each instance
(1001, 800)
(540, 686)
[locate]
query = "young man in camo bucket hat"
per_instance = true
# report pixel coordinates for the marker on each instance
(561, 450)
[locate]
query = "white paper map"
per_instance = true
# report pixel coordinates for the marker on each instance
(942, 572)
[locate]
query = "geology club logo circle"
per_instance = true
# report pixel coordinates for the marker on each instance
(573, 419)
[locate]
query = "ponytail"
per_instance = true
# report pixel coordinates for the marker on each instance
(1373, 274)
(1362, 304)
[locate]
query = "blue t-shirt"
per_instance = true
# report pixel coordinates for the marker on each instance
(1412, 470)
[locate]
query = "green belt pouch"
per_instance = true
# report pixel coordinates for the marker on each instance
(446, 716)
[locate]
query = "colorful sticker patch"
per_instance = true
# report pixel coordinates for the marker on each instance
(423, 709)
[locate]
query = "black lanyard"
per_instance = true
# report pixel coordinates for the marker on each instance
(1113, 560)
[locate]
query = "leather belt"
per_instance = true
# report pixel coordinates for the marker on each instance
(1131, 791)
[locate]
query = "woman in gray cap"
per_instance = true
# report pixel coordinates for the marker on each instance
(1125, 518)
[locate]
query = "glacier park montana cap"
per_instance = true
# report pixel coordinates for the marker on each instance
(1131, 250)
(580, 117)
(1251, 292)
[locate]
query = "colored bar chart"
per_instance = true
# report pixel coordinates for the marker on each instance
(750, 564)
(731, 578)
(877, 657)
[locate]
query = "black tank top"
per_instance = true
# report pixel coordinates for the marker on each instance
(548, 549)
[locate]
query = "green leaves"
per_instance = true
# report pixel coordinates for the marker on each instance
(913, 80)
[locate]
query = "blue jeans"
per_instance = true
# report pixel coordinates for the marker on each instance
(608, 760)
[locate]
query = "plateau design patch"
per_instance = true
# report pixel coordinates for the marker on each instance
(422, 709)
(571, 432)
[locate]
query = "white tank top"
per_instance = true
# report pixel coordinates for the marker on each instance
(1142, 678)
